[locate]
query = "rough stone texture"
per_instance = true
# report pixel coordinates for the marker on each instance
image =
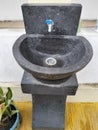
(49, 99)
(72, 53)
(34, 86)
(65, 17)
(48, 112)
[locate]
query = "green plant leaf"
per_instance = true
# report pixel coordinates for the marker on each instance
(8, 101)
(2, 110)
(14, 112)
(8, 112)
(1, 92)
(0, 114)
(5, 105)
(9, 94)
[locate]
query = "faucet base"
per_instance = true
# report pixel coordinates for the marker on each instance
(48, 112)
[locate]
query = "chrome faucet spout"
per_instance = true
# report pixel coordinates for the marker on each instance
(50, 24)
(50, 28)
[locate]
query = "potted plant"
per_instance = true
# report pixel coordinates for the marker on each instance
(9, 115)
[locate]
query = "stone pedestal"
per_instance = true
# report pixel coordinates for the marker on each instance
(49, 100)
(48, 112)
(62, 46)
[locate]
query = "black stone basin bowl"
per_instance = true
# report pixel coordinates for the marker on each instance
(52, 57)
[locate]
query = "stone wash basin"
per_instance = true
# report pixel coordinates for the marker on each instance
(52, 57)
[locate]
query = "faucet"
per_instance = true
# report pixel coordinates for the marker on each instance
(50, 24)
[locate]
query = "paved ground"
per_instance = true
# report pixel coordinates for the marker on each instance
(80, 116)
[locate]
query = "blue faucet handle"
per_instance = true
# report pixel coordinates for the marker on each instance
(49, 21)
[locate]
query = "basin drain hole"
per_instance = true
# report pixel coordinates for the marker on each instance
(51, 61)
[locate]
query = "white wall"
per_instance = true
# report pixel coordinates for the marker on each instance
(90, 8)
(10, 71)
(90, 73)
(11, 9)
(49, 1)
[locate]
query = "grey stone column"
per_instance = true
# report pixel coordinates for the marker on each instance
(48, 112)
